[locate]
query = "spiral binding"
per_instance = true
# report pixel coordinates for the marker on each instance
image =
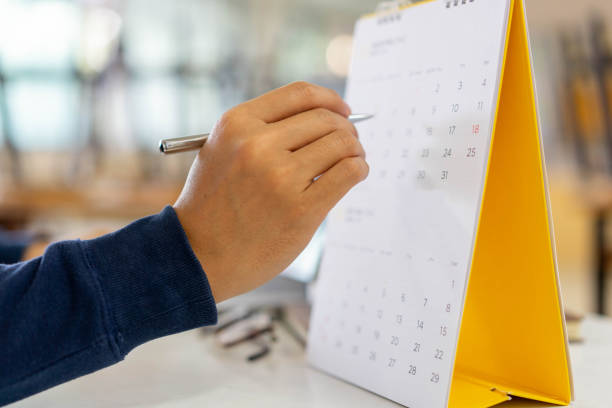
(456, 3)
(390, 11)
(396, 5)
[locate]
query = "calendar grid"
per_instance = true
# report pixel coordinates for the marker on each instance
(392, 283)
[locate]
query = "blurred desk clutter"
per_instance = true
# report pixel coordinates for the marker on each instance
(52, 215)
(587, 113)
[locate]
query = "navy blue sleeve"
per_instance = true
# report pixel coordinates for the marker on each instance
(84, 305)
(12, 247)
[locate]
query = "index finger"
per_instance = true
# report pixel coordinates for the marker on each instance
(292, 99)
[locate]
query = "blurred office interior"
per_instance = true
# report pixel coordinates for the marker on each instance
(87, 88)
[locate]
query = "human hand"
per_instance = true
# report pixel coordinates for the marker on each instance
(251, 202)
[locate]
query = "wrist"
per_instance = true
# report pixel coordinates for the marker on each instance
(204, 250)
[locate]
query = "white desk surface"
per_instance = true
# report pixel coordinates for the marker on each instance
(189, 370)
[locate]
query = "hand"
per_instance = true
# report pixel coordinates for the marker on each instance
(251, 202)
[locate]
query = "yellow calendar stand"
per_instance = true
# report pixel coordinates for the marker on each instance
(513, 340)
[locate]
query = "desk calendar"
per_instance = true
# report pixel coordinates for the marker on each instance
(438, 285)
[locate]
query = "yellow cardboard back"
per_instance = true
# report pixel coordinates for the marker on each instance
(513, 334)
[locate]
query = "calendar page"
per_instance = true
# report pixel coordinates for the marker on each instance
(391, 289)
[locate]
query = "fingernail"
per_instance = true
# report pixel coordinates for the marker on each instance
(348, 109)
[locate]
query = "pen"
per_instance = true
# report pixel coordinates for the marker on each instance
(184, 144)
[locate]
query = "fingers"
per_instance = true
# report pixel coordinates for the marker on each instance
(328, 189)
(319, 156)
(299, 130)
(292, 99)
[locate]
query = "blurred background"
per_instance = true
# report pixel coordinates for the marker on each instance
(87, 88)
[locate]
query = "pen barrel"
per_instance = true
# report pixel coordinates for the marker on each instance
(185, 144)
(182, 144)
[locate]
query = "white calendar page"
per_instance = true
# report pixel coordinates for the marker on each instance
(390, 293)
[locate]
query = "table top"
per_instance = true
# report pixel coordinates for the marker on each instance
(190, 370)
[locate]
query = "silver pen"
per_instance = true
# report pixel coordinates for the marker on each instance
(185, 144)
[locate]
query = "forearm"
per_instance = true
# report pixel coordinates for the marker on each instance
(84, 305)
